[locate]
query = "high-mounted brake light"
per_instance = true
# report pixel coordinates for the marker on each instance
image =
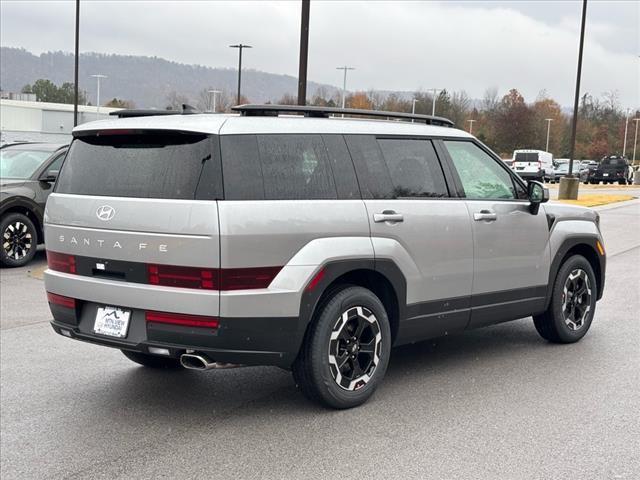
(61, 262)
(61, 300)
(182, 319)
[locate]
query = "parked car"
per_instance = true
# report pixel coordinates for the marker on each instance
(561, 169)
(586, 167)
(508, 162)
(314, 244)
(610, 170)
(27, 174)
(533, 164)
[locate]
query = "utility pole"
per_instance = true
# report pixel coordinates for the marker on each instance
(471, 122)
(344, 84)
(433, 103)
(75, 68)
(304, 53)
(569, 185)
(413, 107)
(626, 127)
(548, 120)
(214, 93)
(98, 77)
(239, 46)
(635, 141)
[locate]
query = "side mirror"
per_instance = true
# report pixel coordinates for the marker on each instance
(537, 194)
(49, 176)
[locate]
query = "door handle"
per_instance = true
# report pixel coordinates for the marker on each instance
(485, 215)
(388, 216)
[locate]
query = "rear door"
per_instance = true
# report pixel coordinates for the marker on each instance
(511, 252)
(128, 201)
(415, 223)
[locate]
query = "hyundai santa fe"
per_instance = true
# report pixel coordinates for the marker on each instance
(287, 236)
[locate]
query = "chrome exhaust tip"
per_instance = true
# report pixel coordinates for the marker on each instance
(195, 361)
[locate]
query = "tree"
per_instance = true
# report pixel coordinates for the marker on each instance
(47, 91)
(513, 123)
(359, 100)
(117, 103)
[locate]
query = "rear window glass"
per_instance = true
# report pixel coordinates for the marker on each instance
(414, 168)
(526, 157)
(166, 165)
(612, 161)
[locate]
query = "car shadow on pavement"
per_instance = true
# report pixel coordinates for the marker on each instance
(166, 394)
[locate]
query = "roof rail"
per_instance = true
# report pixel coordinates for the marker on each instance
(128, 113)
(251, 110)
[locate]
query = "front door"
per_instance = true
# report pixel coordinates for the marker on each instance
(511, 250)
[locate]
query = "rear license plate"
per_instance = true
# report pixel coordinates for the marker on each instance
(519, 168)
(112, 321)
(605, 174)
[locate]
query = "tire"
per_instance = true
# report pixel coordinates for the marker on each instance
(333, 328)
(555, 325)
(622, 182)
(153, 361)
(19, 240)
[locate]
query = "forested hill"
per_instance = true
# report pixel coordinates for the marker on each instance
(147, 81)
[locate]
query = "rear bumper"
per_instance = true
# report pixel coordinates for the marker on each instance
(246, 341)
(530, 175)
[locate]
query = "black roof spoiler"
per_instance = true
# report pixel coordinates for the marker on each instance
(251, 110)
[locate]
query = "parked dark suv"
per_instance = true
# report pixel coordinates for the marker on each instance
(611, 169)
(27, 174)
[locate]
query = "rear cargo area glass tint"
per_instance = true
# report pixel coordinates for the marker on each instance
(160, 164)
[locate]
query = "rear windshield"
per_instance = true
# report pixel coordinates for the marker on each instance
(526, 157)
(170, 165)
(612, 161)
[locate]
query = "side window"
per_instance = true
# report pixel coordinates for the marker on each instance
(372, 171)
(481, 176)
(241, 169)
(343, 173)
(57, 163)
(414, 168)
(295, 167)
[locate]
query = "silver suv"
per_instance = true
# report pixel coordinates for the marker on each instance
(285, 236)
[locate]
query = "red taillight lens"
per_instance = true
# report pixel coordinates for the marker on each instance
(61, 300)
(247, 278)
(182, 319)
(61, 262)
(186, 277)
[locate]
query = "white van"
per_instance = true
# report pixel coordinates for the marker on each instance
(533, 164)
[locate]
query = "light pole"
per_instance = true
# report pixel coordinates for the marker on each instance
(413, 107)
(548, 120)
(214, 93)
(471, 122)
(304, 52)
(626, 127)
(239, 46)
(98, 77)
(75, 66)
(635, 140)
(344, 83)
(433, 103)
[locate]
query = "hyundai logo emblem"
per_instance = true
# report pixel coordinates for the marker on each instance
(105, 213)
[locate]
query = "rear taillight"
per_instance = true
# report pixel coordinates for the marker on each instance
(182, 319)
(212, 278)
(247, 278)
(185, 277)
(61, 262)
(60, 300)
(539, 165)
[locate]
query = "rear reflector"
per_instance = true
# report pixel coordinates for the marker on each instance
(61, 262)
(60, 300)
(315, 280)
(182, 319)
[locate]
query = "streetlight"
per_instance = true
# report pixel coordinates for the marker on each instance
(635, 140)
(626, 127)
(344, 83)
(548, 120)
(214, 92)
(471, 122)
(433, 103)
(413, 107)
(98, 77)
(239, 46)
(75, 66)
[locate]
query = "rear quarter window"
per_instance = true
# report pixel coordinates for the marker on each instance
(159, 164)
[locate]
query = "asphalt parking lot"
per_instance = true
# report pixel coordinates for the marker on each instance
(492, 403)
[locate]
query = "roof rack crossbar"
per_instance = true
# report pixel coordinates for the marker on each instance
(253, 110)
(134, 112)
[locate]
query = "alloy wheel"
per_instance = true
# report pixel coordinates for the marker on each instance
(576, 299)
(17, 240)
(354, 348)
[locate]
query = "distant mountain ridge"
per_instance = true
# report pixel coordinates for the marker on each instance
(148, 81)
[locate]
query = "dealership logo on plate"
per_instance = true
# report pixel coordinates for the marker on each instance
(105, 213)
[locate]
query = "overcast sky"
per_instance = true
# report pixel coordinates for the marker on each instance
(529, 45)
